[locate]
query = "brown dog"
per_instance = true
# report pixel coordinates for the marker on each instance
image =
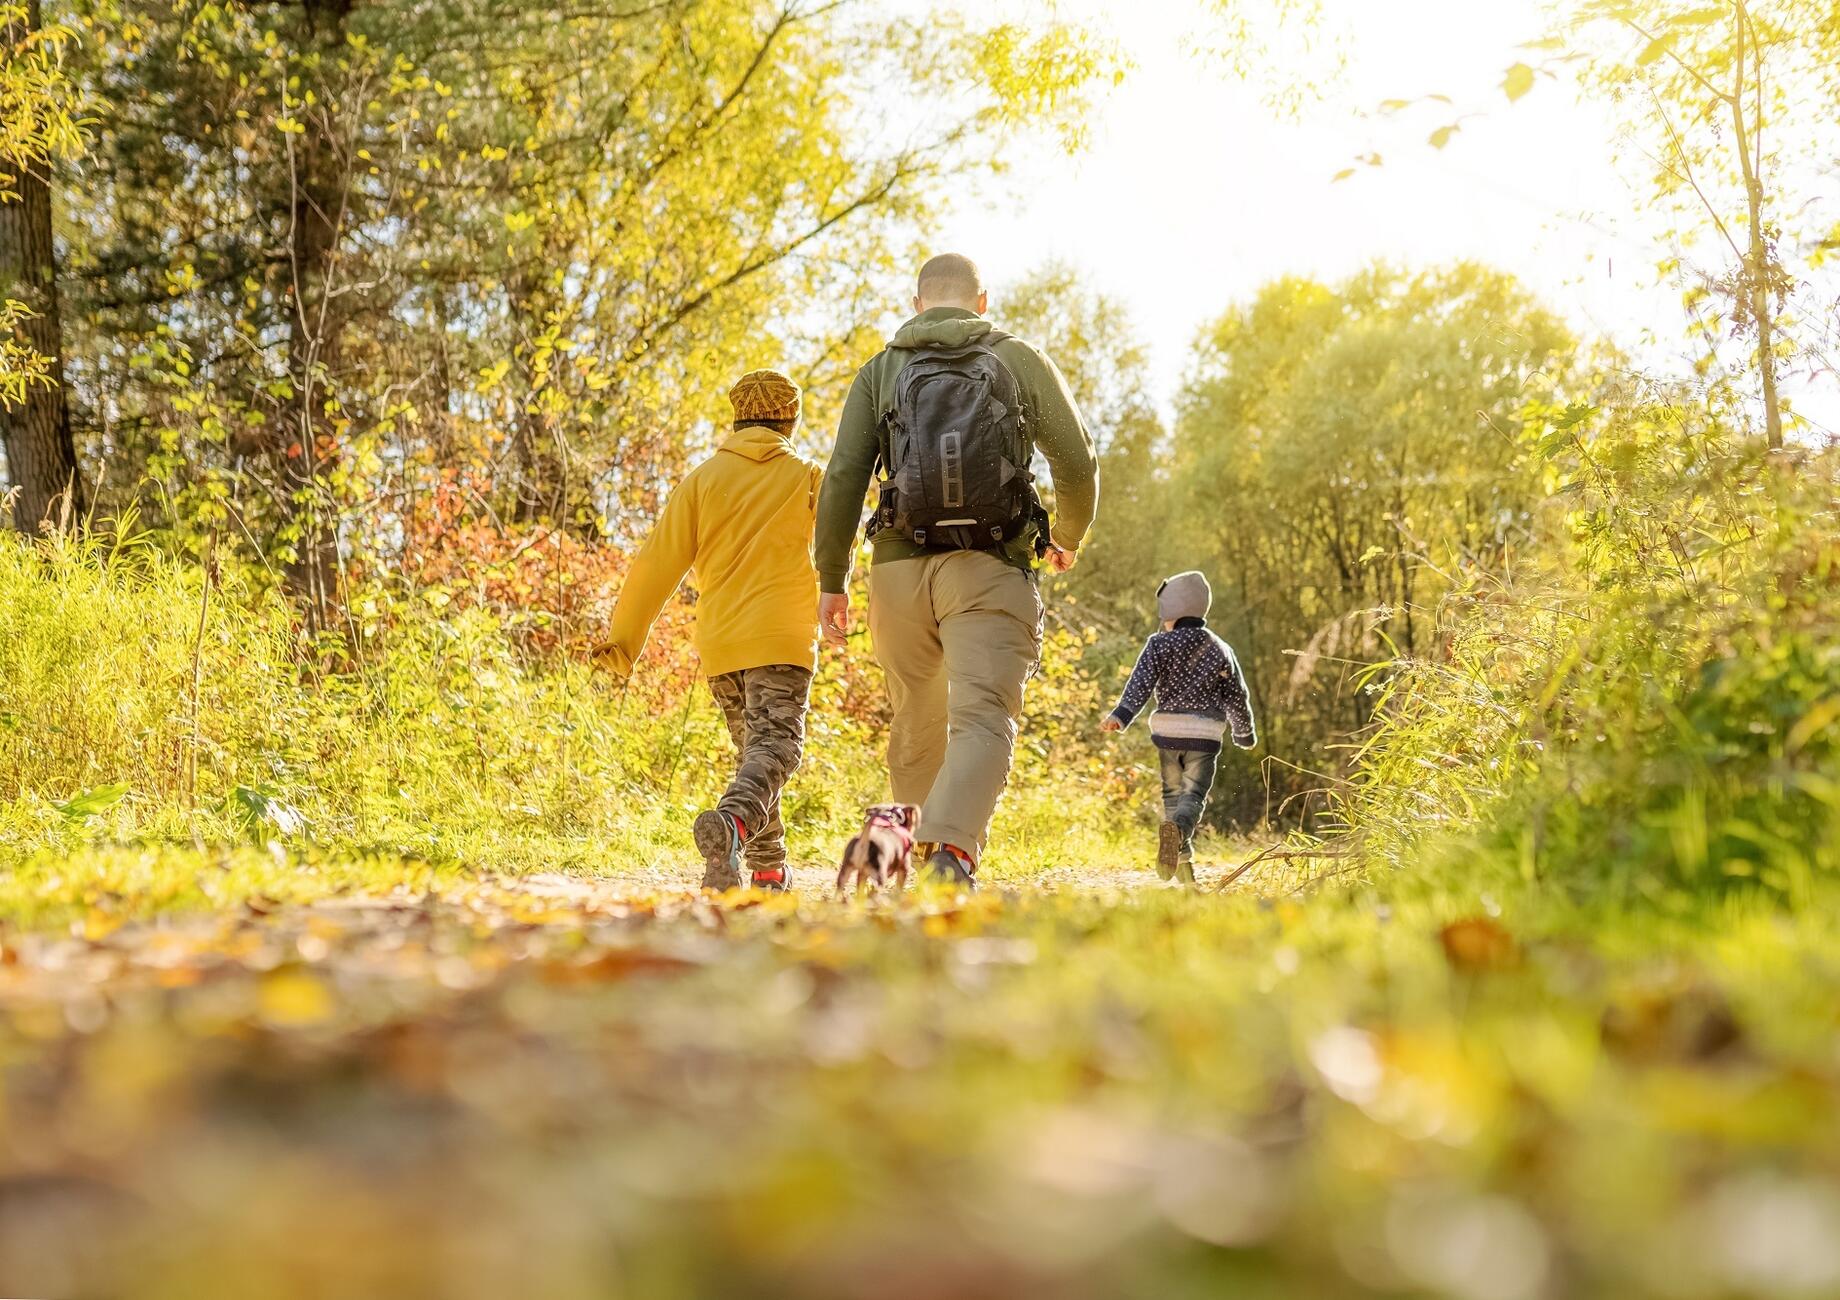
(882, 851)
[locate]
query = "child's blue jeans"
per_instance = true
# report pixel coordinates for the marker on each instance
(1188, 775)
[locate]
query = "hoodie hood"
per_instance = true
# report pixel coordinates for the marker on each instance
(759, 443)
(1186, 595)
(945, 327)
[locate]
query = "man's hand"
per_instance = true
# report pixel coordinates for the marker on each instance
(1111, 724)
(834, 617)
(1061, 560)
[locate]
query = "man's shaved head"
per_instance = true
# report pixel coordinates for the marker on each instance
(951, 280)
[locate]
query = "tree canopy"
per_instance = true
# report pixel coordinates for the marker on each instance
(328, 254)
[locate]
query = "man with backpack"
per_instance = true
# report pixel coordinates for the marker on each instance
(947, 419)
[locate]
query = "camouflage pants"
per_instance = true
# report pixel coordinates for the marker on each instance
(765, 708)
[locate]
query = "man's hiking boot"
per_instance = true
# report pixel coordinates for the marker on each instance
(1168, 850)
(718, 839)
(947, 866)
(775, 880)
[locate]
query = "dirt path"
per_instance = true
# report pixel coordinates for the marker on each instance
(482, 1092)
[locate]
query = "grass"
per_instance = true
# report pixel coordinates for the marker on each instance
(139, 710)
(164, 748)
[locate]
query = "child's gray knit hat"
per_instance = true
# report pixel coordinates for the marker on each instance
(1184, 596)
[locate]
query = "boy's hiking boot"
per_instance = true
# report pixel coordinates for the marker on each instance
(775, 880)
(718, 838)
(1169, 851)
(945, 865)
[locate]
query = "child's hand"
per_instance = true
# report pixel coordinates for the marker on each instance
(1111, 724)
(609, 669)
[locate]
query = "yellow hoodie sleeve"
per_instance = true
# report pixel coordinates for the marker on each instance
(656, 571)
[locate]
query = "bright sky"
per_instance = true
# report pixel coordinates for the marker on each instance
(1193, 193)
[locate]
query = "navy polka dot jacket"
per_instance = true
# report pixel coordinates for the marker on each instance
(1200, 692)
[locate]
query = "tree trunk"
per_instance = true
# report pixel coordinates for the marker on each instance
(1761, 312)
(1758, 263)
(41, 455)
(542, 472)
(540, 493)
(306, 447)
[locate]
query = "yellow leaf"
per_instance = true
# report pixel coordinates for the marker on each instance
(1655, 49)
(292, 996)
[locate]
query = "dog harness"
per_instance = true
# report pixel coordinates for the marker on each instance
(902, 831)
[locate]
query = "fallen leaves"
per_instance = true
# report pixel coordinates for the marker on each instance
(610, 964)
(1479, 944)
(564, 1083)
(292, 996)
(1676, 1018)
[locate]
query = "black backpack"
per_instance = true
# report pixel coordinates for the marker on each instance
(955, 453)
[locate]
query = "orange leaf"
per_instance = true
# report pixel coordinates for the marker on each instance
(1478, 943)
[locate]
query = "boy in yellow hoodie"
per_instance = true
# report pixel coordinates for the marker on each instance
(742, 520)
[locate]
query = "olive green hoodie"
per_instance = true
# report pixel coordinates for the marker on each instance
(1052, 420)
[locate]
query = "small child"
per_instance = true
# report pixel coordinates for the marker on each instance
(1200, 696)
(743, 521)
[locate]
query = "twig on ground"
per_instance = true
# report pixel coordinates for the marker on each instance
(1279, 853)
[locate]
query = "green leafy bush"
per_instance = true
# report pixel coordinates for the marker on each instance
(1647, 707)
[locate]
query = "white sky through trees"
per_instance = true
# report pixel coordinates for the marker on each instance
(1193, 191)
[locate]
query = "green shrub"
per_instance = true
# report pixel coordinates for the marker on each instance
(1647, 707)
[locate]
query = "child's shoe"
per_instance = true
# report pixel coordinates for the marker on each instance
(775, 880)
(718, 838)
(1169, 851)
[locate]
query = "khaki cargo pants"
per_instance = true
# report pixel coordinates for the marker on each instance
(957, 635)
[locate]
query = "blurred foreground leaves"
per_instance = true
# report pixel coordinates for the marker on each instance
(559, 1087)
